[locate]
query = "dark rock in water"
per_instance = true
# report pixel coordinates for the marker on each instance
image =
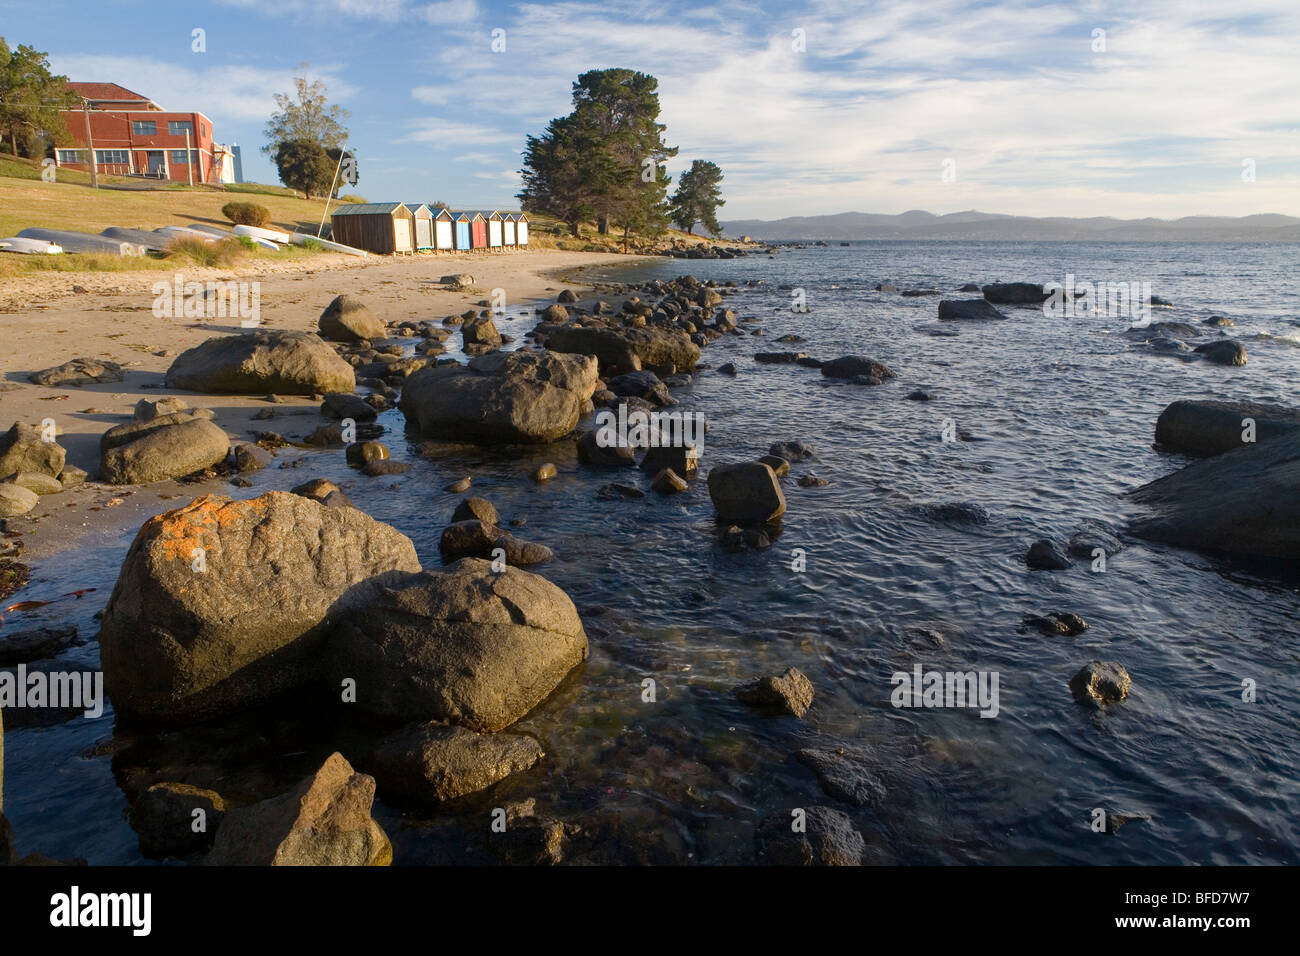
(1219, 322)
(1204, 428)
(480, 332)
(812, 481)
(178, 644)
(253, 363)
(459, 487)
(728, 369)
(917, 293)
(347, 319)
(792, 339)
(339, 406)
(756, 538)
(164, 819)
(777, 464)
(668, 482)
(529, 840)
(324, 491)
(1016, 293)
(789, 693)
(968, 310)
(1091, 537)
(628, 349)
(778, 358)
(845, 774)
(680, 458)
(643, 384)
(827, 838)
(970, 287)
(426, 764)
(1115, 819)
(34, 644)
(23, 449)
(555, 313)
(1156, 300)
(475, 538)
(855, 366)
(480, 509)
(1157, 330)
(952, 512)
(464, 644)
(544, 472)
(566, 296)
(747, 493)
(79, 371)
(358, 453)
(791, 450)
(920, 395)
(382, 466)
(886, 287)
(1242, 502)
(324, 821)
(1167, 345)
(1057, 623)
(1227, 352)
(591, 452)
(527, 397)
(808, 362)
(167, 451)
(618, 492)
(1100, 682)
(1044, 555)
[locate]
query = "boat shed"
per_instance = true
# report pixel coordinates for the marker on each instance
(444, 228)
(387, 228)
(423, 224)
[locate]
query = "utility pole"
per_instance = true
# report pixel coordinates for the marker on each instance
(90, 144)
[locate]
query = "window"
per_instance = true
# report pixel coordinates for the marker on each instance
(180, 157)
(111, 157)
(71, 156)
(144, 127)
(179, 127)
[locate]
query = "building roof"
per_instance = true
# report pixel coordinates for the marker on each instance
(470, 213)
(413, 206)
(369, 209)
(109, 93)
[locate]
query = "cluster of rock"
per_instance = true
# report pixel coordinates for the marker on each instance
(32, 465)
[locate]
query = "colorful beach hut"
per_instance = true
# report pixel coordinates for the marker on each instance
(478, 234)
(387, 228)
(495, 222)
(521, 228)
(508, 223)
(422, 221)
(444, 228)
(461, 231)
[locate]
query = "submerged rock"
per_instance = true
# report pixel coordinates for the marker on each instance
(969, 310)
(856, 367)
(790, 693)
(430, 763)
(826, 838)
(1100, 682)
(1016, 293)
(463, 644)
(1204, 428)
(845, 774)
(1044, 555)
(324, 821)
(1226, 352)
(222, 603)
(747, 493)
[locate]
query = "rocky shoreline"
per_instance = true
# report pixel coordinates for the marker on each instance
(226, 606)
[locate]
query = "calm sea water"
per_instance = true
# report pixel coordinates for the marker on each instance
(1062, 413)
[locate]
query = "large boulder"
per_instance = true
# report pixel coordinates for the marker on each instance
(1223, 352)
(968, 310)
(1204, 428)
(1241, 502)
(463, 644)
(347, 319)
(1016, 293)
(429, 763)
(23, 449)
(507, 397)
(16, 500)
(285, 363)
(747, 493)
(324, 821)
(222, 603)
(167, 451)
(627, 349)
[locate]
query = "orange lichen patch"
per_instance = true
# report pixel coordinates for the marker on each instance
(181, 532)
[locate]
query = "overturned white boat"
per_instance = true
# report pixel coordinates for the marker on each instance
(30, 247)
(301, 239)
(84, 242)
(257, 232)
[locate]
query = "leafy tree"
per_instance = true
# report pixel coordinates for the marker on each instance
(309, 117)
(31, 98)
(304, 165)
(603, 160)
(698, 197)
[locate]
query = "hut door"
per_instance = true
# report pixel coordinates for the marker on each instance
(423, 238)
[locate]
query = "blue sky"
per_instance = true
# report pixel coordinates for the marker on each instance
(1018, 101)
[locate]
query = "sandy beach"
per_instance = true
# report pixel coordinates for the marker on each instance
(50, 319)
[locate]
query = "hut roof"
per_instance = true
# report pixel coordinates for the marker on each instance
(471, 213)
(369, 209)
(414, 206)
(440, 211)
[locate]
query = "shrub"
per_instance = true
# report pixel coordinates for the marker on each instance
(221, 253)
(246, 213)
(353, 198)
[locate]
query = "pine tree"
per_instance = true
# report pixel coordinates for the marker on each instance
(698, 197)
(31, 100)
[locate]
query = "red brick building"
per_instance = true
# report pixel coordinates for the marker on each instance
(134, 136)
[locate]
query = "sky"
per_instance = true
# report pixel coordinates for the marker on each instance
(1159, 108)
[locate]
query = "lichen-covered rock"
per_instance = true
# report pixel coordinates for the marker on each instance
(223, 603)
(254, 363)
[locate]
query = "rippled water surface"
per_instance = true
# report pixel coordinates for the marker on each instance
(1061, 413)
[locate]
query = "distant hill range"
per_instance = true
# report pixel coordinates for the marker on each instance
(918, 224)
